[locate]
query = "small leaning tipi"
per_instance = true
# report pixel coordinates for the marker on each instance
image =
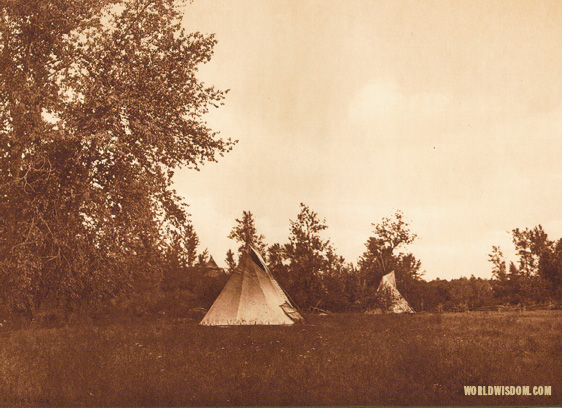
(399, 304)
(251, 297)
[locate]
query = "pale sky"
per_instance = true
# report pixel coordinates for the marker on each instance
(450, 111)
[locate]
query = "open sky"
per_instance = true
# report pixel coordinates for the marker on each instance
(450, 111)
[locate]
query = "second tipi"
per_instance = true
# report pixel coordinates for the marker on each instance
(398, 303)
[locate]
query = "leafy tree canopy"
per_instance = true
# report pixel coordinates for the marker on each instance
(99, 104)
(385, 251)
(306, 254)
(246, 234)
(530, 244)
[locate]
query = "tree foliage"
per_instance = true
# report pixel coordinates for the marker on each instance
(499, 269)
(389, 236)
(230, 261)
(246, 233)
(550, 264)
(536, 277)
(99, 103)
(500, 277)
(385, 253)
(306, 254)
(530, 244)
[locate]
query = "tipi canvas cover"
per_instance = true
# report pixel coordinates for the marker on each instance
(251, 296)
(212, 270)
(388, 285)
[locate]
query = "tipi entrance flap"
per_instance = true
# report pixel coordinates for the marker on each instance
(291, 312)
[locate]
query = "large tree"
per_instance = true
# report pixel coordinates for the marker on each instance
(386, 253)
(306, 255)
(99, 103)
(530, 244)
(385, 248)
(536, 276)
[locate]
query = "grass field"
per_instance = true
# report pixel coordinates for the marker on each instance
(421, 359)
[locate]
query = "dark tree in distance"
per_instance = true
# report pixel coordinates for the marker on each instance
(530, 244)
(246, 234)
(536, 276)
(182, 245)
(179, 257)
(203, 258)
(276, 261)
(500, 278)
(230, 261)
(99, 103)
(339, 283)
(385, 254)
(408, 272)
(390, 236)
(499, 268)
(550, 265)
(306, 256)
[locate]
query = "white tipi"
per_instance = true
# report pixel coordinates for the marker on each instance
(251, 296)
(388, 285)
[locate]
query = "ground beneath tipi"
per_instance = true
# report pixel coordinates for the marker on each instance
(355, 359)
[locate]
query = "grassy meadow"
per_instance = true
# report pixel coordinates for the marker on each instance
(348, 359)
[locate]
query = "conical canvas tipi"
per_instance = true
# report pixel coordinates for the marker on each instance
(251, 296)
(399, 304)
(211, 269)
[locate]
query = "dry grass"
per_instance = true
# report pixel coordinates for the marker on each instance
(422, 359)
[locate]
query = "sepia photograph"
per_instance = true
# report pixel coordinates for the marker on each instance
(257, 203)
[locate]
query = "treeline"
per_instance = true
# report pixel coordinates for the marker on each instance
(316, 278)
(533, 279)
(536, 275)
(308, 266)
